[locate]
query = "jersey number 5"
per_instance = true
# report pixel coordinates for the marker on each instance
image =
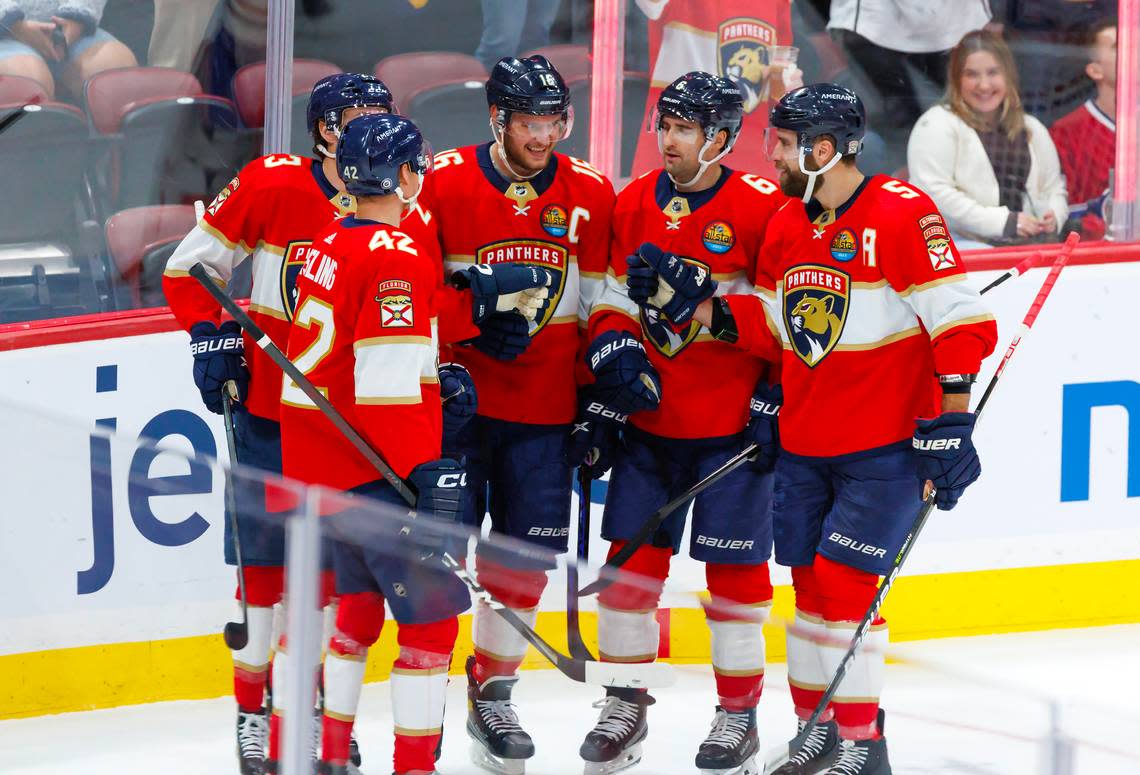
(312, 312)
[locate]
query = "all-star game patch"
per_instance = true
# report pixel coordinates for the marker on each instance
(938, 248)
(719, 237)
(395, 299)
(554, 220)
(843, 246)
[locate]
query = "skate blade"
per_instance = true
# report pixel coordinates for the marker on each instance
(647, 675)
(748, 767)
(481, 757)
(628, 758)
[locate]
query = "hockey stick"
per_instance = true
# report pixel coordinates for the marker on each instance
(235, 634)
(1026, 264)
(916, 527)
(650, 675)
(654, 521)
(574, 640)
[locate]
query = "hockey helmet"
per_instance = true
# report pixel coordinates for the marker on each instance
(373, 148)
(822, 109)
(332, 95)
(532, 86)
(713, 102)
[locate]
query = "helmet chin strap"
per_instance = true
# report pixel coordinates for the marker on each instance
(702, 165)
(410, 201)
(813, 174)
(326, 152)
(500, 144)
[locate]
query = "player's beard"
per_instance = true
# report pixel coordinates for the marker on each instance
(520, 159)
(793, 182)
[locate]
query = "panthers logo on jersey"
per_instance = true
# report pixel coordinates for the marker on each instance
(668, 339)
(551, 256)
(816, 300)
(742, 51)
(291, 265)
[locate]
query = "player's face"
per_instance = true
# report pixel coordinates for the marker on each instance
(784, 151)
(529, 140)
(681, 143)
(983, 83)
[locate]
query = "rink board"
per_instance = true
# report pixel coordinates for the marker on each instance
(1048, 538)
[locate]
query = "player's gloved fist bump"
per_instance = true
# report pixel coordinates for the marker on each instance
(503, 335)
(439, 486)
(457, 392)
(640, 280)
(521, 288)
(624, 379)
(946, 455)
(681, 285)
(762, 429)
(593, 436)
(219, 356)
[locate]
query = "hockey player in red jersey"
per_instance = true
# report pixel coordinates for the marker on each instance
(365, 334)
(713, 219)
(268, 214)
(515, 200)
(862, 299)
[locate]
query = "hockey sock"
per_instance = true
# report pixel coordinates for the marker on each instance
(499, 648)
(627, 609)
(419, 689)
(740, 600)
(847, 594)
(263, 587)
(806, 677)
(360, 618)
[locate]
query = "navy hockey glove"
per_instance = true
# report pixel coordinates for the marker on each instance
(946, 455)
(640, 280)
(624, 379)
(219, 356)
(457, 392)
(762, 429)
(440, 486)
(681, 285)
(593, 436)
(510, 287)
(504, 336)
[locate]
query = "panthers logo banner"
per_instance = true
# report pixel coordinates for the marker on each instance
(742, 54)
(551, 256)
(816, 300)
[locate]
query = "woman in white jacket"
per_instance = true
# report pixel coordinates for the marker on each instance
(992, 170)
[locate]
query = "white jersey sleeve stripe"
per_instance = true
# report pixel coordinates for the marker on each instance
(389, 369)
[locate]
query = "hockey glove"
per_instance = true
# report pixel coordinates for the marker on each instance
(681, 285)
(593, 436)
(457, 392)
(640, 280)
(762, 429)
(624, 379)
(495, 288)
(504, 336)
(219, 356)
(440, 486)
(946, 455)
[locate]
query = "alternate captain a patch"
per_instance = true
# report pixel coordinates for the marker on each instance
(395, 299)
(816, 300)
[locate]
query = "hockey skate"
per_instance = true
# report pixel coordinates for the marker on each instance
(614, 744)
(499, 744)
(731, 746)
(863, 757)
(817, 753)
(252, 732)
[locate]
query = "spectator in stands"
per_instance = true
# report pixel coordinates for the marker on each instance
(991, 169)
(513, 26)
(179, 31)
(58, 43)
(1086, 138)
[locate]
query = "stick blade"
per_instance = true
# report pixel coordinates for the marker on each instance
(650, 675)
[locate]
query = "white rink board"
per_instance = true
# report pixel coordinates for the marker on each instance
(1014, 517)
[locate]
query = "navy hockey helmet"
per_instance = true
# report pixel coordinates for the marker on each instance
(713, 102)
(822, 109)
(373, 148)
(334, 94)
(532, 86)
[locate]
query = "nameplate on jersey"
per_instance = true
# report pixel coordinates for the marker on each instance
(395, 300)
(742, 55)
(816, 300)
(551, 256)
(296, 254)
(666, 337)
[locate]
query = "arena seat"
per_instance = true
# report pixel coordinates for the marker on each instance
(451, 115)
(111, 94)
(17, 90)
(409, 74)
(140, 240)
(571, 60)
(249, 86)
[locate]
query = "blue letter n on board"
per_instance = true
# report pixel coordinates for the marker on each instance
(1078, 402)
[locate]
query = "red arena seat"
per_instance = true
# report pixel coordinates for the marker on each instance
(409, 74)
(249, 86)
(570, 59)
(111, 94)
(140, 241)
(17, 90)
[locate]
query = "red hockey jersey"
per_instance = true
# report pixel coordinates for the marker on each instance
(705, 384)
(724, 37)
(559, 220)
(269, 213)
(865, 306)
(363, 332)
